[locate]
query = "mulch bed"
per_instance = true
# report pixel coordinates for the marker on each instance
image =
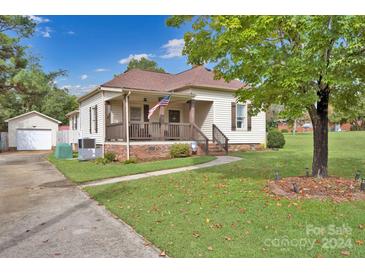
(334, 188)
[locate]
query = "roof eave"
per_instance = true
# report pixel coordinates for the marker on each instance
(207, 87)
(35, 112)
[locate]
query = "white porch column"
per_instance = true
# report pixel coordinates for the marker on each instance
(127, 121)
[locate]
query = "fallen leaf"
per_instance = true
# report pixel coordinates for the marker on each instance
(196, 235)
(361, 226)
(210, 248)
(228, 238)
(162, 254)
(242, 210)
(359, 242)
(345, 253)
(278, 204)
(217, 226)
(207, 220)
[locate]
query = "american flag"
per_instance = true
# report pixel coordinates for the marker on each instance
(164, 102)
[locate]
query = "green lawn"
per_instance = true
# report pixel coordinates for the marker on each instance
(83, 171)
(223, 211)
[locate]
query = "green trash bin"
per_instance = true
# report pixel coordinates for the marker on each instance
(63, 151)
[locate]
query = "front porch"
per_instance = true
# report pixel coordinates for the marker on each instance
(174, 122)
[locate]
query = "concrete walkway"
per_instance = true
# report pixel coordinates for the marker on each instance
(42, 214)
(219, 161)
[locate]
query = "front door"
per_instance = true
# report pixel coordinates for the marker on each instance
(174, 130)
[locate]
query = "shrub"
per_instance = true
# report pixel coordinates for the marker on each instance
(131, 160)
(284, 130)
(275, 139)
(179, 150)
(102, 161)
(110, 156)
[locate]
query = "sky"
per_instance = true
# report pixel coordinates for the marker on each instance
(92, 49)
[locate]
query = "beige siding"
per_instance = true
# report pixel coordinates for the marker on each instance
(96, 99)
(116, 111)
(32, 120)
(204, 117)
(222, 117)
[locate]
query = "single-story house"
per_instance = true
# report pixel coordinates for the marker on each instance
(202, 110)
(32, 131)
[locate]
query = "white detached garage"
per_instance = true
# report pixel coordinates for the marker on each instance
(32, 131)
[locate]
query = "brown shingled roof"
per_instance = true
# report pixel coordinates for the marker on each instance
(156, 81)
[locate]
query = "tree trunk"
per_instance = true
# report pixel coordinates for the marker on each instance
(319, 117)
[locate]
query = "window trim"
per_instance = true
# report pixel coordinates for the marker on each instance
(96, 119)
(174, 109)
(244, 120)
(130, 113)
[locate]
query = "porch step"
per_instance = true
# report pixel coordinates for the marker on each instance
(215, 150)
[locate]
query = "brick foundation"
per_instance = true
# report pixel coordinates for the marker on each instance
(146, 152)
(245, 147)
(149, 152)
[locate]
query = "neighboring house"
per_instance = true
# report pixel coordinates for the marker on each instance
(32, 131)
(74, 119)
(201, 109)
(73, 133)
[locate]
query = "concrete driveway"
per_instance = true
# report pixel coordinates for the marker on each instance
(44, 215)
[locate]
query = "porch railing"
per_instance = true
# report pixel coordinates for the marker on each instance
(220, 138)
(198, 136)
(149, 131)
(114, 132)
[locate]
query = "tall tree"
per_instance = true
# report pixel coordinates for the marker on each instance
(35, 90)
(12, 54)
(301, 62)
(145, 64)
(57, 103)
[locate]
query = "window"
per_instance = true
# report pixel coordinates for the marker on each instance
(93, 119)
(136, 114)
(96, 118)
(74, 122)
(174, 116)
(76, 118)
(240, 116)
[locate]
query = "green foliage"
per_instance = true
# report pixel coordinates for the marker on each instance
(179, 150)
(110, 156)
(145, 64)
(101, 161)
(131, 160)
(284, 130)
(355, 114)
(57, 103)
(304, 63)
(275, 139)
(284, 60)
(12, 53)
(24, 86)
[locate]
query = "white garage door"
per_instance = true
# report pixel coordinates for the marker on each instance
(33, 139)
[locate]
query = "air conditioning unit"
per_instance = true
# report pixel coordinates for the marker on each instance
(88, 149)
